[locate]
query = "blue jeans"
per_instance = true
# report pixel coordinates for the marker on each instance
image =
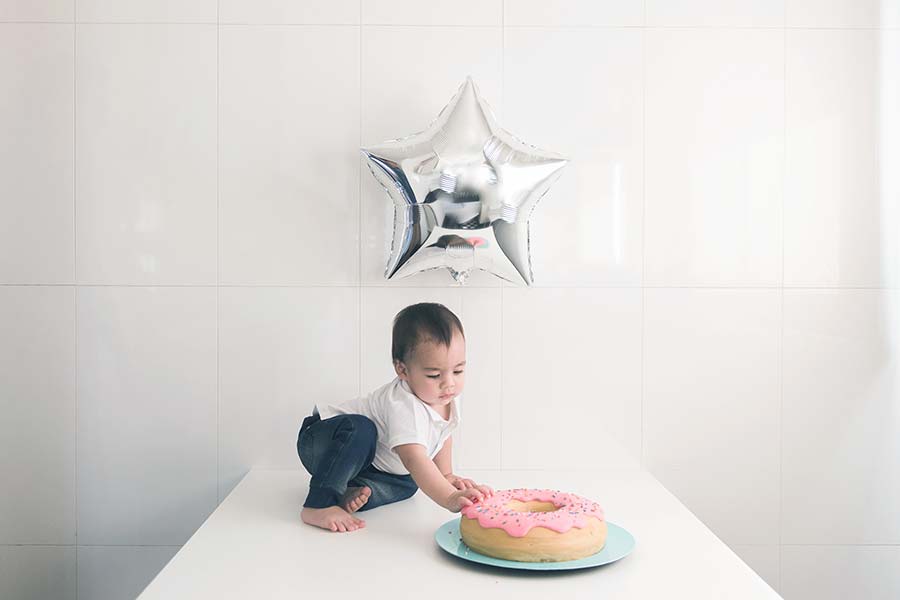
(338, 453)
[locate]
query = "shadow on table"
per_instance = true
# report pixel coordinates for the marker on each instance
(457, 561)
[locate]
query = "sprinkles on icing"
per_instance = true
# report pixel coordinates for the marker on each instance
(571, 511)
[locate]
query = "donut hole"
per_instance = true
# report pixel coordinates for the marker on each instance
(531, 506)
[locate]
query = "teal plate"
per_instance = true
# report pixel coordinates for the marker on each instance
(619, 543)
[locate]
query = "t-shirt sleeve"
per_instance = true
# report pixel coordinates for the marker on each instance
(405, 423)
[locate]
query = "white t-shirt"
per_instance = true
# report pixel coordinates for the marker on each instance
(400, 418)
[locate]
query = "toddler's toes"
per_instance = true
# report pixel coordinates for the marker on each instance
(355, 498)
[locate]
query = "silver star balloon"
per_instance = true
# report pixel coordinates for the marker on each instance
(463, 191)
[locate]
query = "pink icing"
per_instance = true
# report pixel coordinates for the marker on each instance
(572, 511)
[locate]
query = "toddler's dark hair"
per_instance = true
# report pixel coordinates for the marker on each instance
(422, 322)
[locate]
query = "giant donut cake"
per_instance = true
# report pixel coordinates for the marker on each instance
(534, 525)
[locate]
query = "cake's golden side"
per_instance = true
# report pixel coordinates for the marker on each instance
(538, 545)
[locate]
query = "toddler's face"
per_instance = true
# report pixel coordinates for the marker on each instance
(435, 373)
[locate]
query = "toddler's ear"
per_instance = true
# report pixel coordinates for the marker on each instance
(400, 368)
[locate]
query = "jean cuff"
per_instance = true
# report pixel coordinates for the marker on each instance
(321, 498)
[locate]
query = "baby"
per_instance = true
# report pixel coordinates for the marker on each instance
(382, 447)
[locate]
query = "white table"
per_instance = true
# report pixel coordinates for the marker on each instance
(255, 546)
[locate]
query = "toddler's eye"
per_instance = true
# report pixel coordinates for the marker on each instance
(436, 376)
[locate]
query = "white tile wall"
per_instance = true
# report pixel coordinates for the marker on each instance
(843, 201)
(571, 357)
(714, 157)
(715, 13)
(46, 11)
(428, 64)
(842, 13)
(477, 445)
(712, 392)
(145, 154)
(134, 568)
(192, 252)
(37, 87)
(147, 408)
(437, 12)
(37, 401)
(289, 169)
(37, 572)
(281, 350)
(289, 12)
(141, 11)
(587, 228)
(838, 572)
(573, 13)
(841, 411)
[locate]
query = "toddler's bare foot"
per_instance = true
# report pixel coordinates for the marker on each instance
(334, 518)
(355, 497)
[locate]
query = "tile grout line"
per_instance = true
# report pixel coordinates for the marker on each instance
(781, 345)
(218, 257)
(359, 177)
(693, 26)
(502, 283)
(737, 288)
(90, 546)
(468, 286)
(454, 456)
(643, 211)
(465, 26)
(75, 259)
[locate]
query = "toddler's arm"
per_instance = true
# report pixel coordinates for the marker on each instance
(430, 480)
(443, 459)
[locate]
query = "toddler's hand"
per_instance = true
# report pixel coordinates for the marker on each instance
(462, 498)
(462, 483)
